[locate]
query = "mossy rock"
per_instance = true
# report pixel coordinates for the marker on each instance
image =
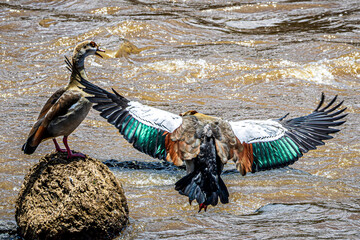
(77, 198)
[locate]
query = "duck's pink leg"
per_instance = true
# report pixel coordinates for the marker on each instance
(202, 206)
(58, 149)
(70, 153)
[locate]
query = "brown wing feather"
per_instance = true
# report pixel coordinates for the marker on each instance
(183, 143)
(245, 158)
(38, 136)
(228, 147)
(62, 106)
(225, 140)
(51, 110)
(51, 101)
(172, 151)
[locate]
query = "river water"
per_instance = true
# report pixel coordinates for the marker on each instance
(237, 60)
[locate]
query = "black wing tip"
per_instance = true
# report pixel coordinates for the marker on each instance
(334, 116)
(319, 108)
(283, 117)
(322, 99)
(116, 93)
(339, 123)
(310, 131)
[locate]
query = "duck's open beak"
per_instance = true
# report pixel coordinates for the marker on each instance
(97, 52)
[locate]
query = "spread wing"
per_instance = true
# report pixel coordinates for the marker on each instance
(143, 126)
(277, 143)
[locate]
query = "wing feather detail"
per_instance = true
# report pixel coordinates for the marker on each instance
(279, 143)
(154, 117)
(251, 131)
(143, 126)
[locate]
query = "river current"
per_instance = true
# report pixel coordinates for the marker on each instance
(232, 59)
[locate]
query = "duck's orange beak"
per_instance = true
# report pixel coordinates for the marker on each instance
(99, 50)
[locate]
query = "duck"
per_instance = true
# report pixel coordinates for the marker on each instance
(66, 108)
(204, 144)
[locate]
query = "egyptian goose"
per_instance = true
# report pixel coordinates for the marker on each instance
(206, 143)
(65, 109)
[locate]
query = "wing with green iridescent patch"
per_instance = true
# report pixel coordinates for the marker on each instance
(143, 126)
(279, 143)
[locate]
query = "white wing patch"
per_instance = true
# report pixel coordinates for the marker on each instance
(154, 117)
(251, 131)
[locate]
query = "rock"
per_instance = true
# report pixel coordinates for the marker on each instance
(70, 199)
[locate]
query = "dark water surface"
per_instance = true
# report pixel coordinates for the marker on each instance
(238, 60)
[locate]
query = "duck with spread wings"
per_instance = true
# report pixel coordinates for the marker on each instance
(205, 143)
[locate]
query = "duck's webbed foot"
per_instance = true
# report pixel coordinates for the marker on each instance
(202, 206)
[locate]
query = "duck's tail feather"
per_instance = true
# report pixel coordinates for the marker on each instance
(27, 148)
(37, 134)
(204, 184)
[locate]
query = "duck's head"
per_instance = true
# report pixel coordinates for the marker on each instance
(198, 115)
(84, 49)
(188, 113)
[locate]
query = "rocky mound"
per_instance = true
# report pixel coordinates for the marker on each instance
(70, 199)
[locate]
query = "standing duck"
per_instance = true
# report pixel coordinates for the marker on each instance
(66, 108)
(206, 143)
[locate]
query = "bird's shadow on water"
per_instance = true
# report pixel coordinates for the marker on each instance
(140, 165)
(169, 167)
(160, 166)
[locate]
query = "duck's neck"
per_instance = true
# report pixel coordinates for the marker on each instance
(78, 63)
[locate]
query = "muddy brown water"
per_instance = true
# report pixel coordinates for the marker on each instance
(238, 60)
